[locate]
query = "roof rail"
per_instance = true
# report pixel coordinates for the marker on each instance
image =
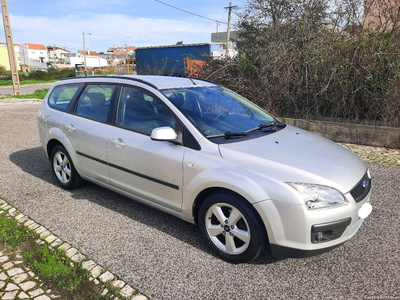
(118, 77)
(207, 81)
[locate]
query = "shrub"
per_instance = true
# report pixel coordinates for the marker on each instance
(50, 74)
(311, 61)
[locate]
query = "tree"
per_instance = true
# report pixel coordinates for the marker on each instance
(316, 59)
(179, 43)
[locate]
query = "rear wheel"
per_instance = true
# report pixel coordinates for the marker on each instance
(231, 227)
(63, 168)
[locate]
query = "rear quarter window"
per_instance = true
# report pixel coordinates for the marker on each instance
(62, 95)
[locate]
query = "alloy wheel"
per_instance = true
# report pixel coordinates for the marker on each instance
(62, 167)
(227, 228)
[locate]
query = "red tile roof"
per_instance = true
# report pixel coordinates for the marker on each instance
(2, 43)
(119, 53)
(90, 52)
(58, 48)
(36, 46)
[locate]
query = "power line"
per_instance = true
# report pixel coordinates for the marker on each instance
(190, 12)
(148, 36)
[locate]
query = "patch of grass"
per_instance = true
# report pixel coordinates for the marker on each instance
(52, 266)
(11, 233)
(38, 94)
(23, 82)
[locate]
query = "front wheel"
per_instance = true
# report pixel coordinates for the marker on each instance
(231, 227)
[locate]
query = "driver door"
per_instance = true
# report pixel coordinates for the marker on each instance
(143, 167)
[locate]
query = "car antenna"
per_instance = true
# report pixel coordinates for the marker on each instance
(192, 81)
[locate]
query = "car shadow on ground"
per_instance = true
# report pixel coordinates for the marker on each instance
(34, 162)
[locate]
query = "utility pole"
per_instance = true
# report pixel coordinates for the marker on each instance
(228, 33)
(10, 48)
(84, 53)
(217, 23)
(126, 58)
(54, 56)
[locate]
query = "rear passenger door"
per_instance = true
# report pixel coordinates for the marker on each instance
(86, 129)
(143, 167)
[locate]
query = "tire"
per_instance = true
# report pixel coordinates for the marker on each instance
(64, 169)
(241, 237)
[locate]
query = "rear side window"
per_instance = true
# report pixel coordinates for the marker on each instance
(94, 102)
(62, 95)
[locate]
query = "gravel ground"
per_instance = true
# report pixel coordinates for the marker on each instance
(165, 257)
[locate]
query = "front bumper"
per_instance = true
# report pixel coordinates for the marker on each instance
(290, 226)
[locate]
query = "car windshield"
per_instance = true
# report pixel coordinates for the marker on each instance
(218, 112)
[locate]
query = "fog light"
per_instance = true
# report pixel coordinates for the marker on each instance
(321, 233)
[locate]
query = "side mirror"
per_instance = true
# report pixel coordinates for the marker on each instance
(164, 134)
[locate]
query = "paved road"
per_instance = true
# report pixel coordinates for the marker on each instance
(165, 258)
(25, 89)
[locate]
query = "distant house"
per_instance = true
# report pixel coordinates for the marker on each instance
(88, 52)
(57, 54)
(382, 14)
(34, 55)
(4, 60)
(93, 60)
(16, 49)
(121, 49)
(118, 55)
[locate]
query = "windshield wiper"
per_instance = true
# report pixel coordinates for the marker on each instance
(271, 126)
(227, 135)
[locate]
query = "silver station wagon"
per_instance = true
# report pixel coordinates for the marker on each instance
(201, 152)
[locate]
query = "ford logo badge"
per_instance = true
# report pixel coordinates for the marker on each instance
(365, 183)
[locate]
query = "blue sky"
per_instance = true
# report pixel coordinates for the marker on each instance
(61, 23)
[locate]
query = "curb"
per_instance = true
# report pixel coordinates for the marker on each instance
(98, 274)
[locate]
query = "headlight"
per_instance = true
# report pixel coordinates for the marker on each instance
(318, 196)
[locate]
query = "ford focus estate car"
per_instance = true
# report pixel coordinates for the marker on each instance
(203, 153)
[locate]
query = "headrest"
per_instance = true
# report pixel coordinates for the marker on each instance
(97, 99)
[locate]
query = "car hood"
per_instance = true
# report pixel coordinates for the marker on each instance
(295, 155)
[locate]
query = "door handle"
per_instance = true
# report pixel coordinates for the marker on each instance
(119, 143)
(70, 127)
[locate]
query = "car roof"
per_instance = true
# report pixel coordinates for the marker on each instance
(157, 82)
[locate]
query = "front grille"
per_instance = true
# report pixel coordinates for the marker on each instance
(361, 189)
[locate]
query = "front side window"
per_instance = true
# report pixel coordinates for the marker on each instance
(216, 111)
(95, 102)
(140, 111)
(62, 95)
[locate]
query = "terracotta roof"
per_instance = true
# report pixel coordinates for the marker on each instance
(90, 52)
(36, 46)
(2, 43)
(131, 47)
(119, 53)
(57, 48)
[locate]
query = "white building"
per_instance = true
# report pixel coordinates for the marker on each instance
(93, 60)
(16, 49)
(58, 54)
(34, 55)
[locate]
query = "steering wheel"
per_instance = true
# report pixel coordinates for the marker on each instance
(220, 115)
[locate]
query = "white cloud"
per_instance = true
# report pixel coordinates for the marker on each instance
(66, 31)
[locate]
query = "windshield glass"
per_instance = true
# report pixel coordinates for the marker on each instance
(217, 111)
